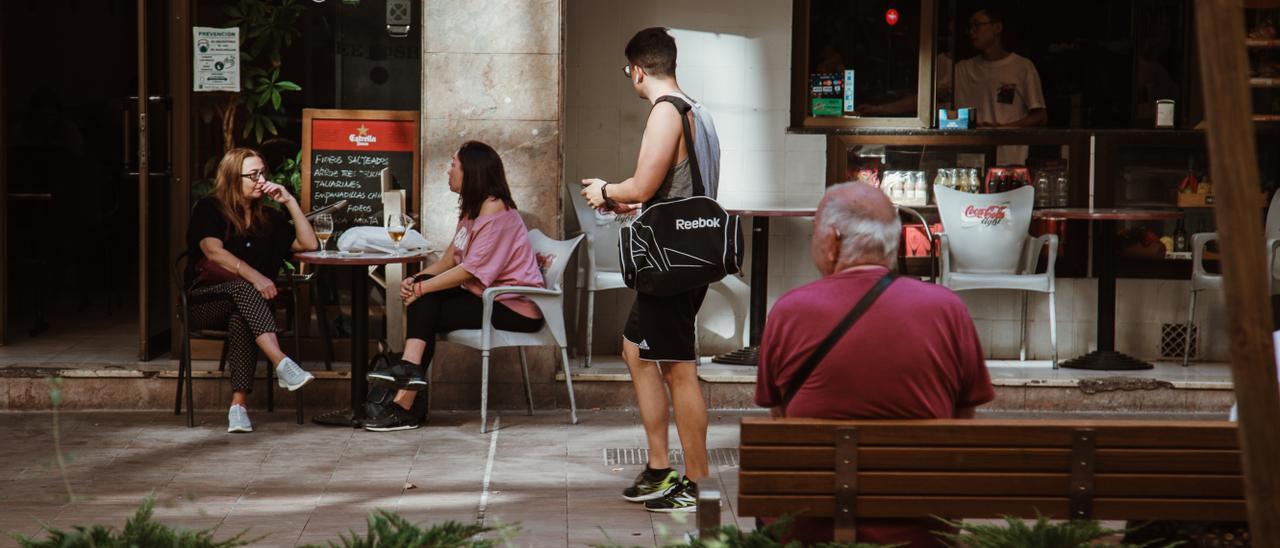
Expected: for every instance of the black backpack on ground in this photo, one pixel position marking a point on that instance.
(680, 244)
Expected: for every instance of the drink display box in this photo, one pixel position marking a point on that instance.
(826, 92)
(955, 118)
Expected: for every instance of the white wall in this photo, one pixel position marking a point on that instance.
(735, 56)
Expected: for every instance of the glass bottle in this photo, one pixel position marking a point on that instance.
(1061, 190)
(1180, 238)
(1042, 190)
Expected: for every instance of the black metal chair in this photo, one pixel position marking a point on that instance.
(184, 357)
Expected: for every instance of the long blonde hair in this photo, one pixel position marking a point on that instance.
(228, 191)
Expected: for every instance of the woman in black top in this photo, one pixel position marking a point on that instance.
(236, 245)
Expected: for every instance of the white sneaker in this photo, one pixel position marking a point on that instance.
(290, 375)
(238, 419)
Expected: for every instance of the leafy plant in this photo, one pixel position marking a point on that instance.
(140, 530)
(1042, 534)
(289, 174)
(267, 27)
(387, 530)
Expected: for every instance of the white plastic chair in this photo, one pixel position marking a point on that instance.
(985, 245)
(549, 300)
(1202, 280)
(602, 270)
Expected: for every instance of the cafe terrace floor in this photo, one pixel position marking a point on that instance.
(307, 484)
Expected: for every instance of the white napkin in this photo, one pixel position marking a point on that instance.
(375, 239)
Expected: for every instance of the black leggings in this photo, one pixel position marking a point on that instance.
(452, 309)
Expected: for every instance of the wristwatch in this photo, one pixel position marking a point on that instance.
(604, 193)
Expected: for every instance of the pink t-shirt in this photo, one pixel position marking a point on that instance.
(495, 249)
(915, 354)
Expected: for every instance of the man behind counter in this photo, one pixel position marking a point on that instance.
(1003, 86)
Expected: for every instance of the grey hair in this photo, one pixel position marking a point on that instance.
(860, 238)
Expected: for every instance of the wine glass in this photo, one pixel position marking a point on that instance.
(323, 225)
(397, 225)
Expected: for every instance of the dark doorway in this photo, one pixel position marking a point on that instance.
(72, 218)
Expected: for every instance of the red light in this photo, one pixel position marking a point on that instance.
(891, 17)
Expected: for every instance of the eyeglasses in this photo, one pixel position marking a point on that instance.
(973, 25)
(255, 175)
(626, 69)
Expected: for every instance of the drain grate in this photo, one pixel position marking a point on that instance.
(1173, 340)
(629, 456)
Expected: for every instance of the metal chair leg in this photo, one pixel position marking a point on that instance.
(1186, 331)
(528, 389)
(1022, 334)
(1053, 326)
(297, 344)
(182, 352)
(591, 315)
(191, 404)
(322, 318)
(271, 380)
(568, 383)
(222, 358)
(484, 391)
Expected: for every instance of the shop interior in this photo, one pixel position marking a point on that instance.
(73, 219)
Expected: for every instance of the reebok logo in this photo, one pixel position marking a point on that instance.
(682, 224)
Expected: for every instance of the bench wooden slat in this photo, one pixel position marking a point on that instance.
(994, 433)
(993, 484)
(992, 507)
(994, 459)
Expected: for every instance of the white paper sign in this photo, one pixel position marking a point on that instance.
(217, 59)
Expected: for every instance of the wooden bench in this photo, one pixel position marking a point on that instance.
(1077, 469)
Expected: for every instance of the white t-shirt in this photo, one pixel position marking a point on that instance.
(1002, 91)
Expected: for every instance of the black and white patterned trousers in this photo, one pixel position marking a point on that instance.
(239, 309)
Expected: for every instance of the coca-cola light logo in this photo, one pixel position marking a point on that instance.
(989, 216)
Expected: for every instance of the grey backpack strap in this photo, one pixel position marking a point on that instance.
(684, 107)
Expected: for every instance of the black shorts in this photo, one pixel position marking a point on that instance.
(665, 328)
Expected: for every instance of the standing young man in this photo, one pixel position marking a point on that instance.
(660, 338)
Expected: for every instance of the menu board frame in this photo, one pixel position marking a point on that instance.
(411, 118)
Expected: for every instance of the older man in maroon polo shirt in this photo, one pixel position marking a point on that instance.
(914, 354)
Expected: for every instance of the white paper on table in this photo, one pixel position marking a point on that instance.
(375, 239)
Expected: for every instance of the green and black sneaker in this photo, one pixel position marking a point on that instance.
(652, 484)
(684, 498)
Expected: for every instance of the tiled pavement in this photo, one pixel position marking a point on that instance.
(304, 484)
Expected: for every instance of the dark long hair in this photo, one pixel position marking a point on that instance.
(483, 177)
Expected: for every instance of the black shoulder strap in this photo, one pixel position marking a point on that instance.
(841, 328)
(684, 107)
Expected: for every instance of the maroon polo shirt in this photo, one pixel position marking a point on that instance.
(915, 354)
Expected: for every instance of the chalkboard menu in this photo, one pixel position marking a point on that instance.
(344, 153)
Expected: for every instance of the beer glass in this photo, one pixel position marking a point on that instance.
(323, 225)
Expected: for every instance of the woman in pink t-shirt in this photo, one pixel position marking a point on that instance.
(490, 248)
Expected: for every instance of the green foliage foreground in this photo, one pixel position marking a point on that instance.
(140, 530)
(388, 530)
(1015, 533)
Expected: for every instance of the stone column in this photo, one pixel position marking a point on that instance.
(493, 71)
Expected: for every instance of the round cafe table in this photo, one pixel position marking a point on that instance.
(1105, 358)
(358, 265)
(759, 277)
